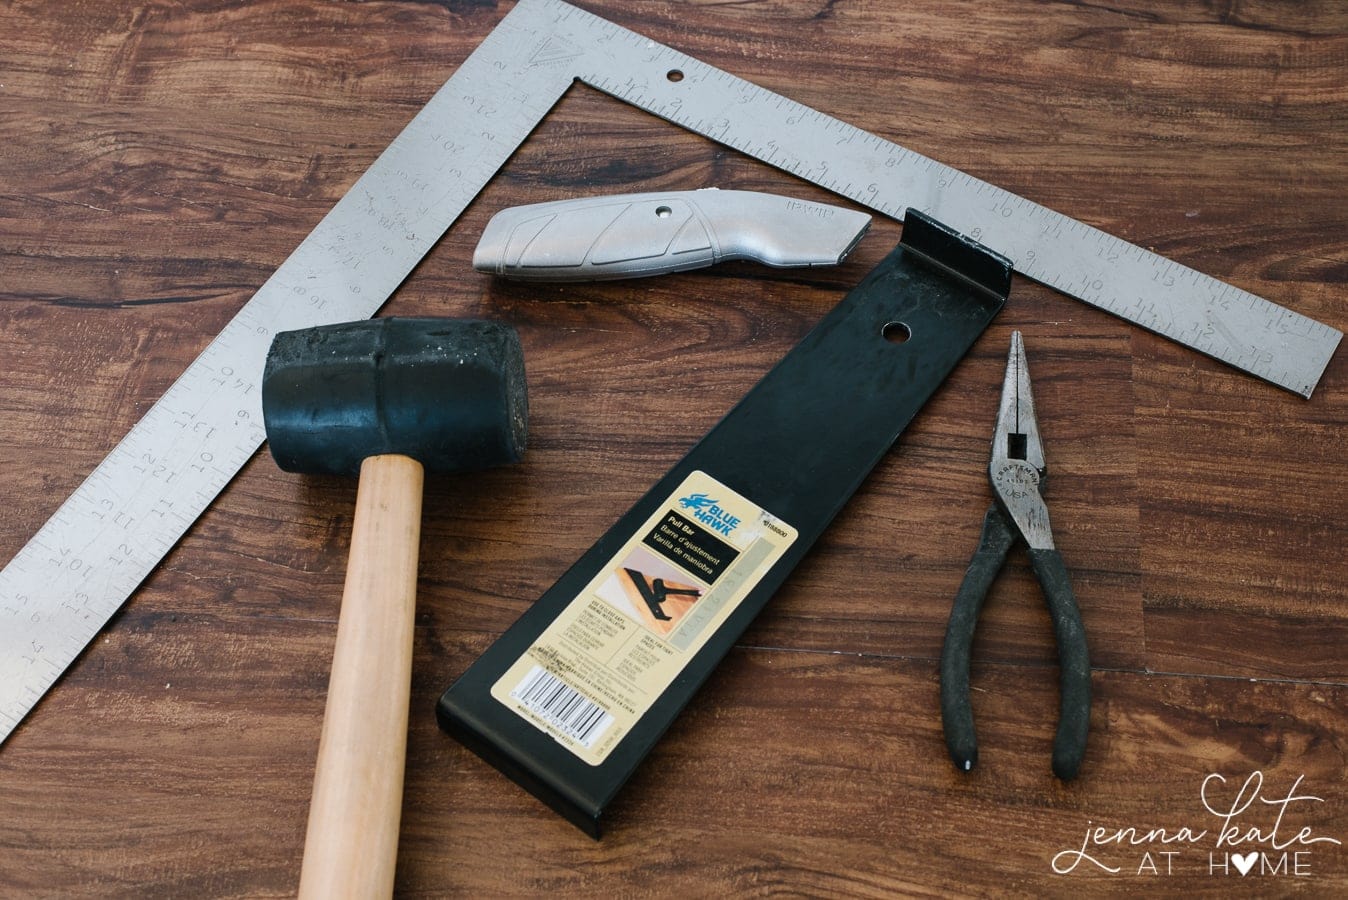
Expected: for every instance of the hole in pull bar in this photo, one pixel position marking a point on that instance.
(896, 332)
(663, 212)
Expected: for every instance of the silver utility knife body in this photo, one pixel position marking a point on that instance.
(634, 235)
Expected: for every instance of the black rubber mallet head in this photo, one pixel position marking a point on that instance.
(388, 399)
(447, 392)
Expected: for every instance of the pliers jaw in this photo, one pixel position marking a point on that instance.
(1016, 468)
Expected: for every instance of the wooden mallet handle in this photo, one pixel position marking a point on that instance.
(351, 846)
(391, 399)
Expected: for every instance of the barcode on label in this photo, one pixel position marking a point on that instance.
(562, 706)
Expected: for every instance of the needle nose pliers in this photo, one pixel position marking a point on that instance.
(1017, 472)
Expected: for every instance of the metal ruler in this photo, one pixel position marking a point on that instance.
(64, 585)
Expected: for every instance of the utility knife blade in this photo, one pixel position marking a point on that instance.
(635, 235)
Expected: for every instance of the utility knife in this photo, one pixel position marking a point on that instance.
(635, 235)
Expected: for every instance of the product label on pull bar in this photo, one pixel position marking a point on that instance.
(601, 664)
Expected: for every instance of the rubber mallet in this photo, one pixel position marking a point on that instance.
(389, 399)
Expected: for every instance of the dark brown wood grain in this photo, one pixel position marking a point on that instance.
(160, 160)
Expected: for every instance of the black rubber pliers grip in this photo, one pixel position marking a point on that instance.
(1069, 745)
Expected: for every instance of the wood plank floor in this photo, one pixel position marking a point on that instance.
(160, 160)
